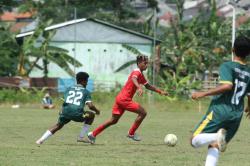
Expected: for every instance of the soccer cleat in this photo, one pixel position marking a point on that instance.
(83, 139)
(134, 137)
(91, 138)
(221, 139)
(38, 142)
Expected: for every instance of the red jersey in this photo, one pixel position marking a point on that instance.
(129, 88)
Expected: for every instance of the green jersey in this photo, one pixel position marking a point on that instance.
(75, 99)
(238, 75)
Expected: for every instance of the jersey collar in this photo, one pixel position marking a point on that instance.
(240, 62)
(137, 69)
(79, 85)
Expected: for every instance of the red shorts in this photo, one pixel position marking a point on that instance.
(121, 105)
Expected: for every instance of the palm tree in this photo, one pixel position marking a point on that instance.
(45, 52)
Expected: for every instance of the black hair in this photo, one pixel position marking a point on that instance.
(141, 58)
(242, 46)
(82, 76)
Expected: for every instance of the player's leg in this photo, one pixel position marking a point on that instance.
(49, 133)
(62, 120)
(212, 155)
(223, 138)
(206, 134)
(141, 114)
(206, 131)
(117, 112)
(113, 120)
(227, 133)
(88, 119)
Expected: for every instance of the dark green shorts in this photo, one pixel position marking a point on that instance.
(217, 119)
(64, 119)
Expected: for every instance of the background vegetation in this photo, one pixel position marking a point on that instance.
(188, 48)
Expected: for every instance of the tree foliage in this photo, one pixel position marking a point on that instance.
(7, 5)
(37, 47)
(62, 10)
(8, 51)
(191, 47)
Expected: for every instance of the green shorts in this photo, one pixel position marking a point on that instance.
(217, 119)
(64, 119)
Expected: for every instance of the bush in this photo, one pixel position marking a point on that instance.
(21, 95)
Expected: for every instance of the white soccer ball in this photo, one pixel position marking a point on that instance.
(170, 139)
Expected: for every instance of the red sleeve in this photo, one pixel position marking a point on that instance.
(140, 77)
(136, 74)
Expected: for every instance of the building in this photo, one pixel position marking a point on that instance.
(98, 46)
(192, 8)
(17, 20)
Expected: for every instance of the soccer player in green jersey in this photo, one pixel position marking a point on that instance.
(223, 117)
(75, 99)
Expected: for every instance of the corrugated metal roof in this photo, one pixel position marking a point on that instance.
(29, 30)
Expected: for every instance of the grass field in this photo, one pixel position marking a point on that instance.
(19, 129)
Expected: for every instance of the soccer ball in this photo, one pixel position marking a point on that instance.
(170, 139)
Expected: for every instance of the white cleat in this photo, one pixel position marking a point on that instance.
(38, 142)
(221, 139)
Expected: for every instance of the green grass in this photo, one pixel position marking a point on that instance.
(19, 129)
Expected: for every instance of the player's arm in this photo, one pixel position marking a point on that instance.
(247, 109)
(153, 88)
(140, 90)
(226, 83)
(215, 91)
(92, 107)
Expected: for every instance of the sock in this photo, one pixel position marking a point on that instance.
(134, 128)
(45, 136)
(204, 139)
(212, 157)
(84, 131)
(98, 130)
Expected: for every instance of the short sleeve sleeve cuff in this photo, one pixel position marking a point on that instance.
(225, 73)
(88, 101)
(225, 82)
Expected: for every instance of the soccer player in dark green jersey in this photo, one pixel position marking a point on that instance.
(75, 99)
(223, 117)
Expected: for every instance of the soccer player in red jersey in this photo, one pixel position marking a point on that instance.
(124, 101)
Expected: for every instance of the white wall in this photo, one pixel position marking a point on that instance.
(98, 63)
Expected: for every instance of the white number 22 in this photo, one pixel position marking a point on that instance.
(74, 97)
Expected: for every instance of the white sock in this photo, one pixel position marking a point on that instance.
(45, 136)
(212, 157)
(84, 131)
(204, 139)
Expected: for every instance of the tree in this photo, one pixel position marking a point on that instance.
(191, 47)
(8, 51)
(44, 51)
(7, 5)
(119, 12)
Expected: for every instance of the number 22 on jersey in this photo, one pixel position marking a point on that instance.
(74, 97)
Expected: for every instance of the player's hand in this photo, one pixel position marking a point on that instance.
(247, 111)
(197, 95)
(163, 93)
(97, 112)
(140, 91)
